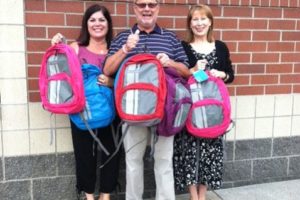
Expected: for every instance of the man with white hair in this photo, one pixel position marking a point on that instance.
(146, 34)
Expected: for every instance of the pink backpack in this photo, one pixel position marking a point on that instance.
(209, 116)
(60, 81)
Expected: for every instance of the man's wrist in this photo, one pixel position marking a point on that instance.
(124, 49)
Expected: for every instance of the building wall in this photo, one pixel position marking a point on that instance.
(264, 41)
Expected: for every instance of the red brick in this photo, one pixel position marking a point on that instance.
(119, 21)
(284, 3)
(290, 57)
(231, 90)
(33, 72)
(274, 3)
(236, 35)
(121, 9)
(33, 84)
(180, 23)
(109, 5)
(184, 2)
(214, 2)
(278, 89)
(44, 19)
(253, 24)
(266, 35)
(228, 23)
(34, 58)
(237, 11)
(291, 36)
(267, 12)
(290, 78)
(240, 57)
(70, 33)
(282, 24)
(181, 34)
(35, 32)
(294, 3)
(265, 3)
(296, 68)
(217, 34)
(255, 2)
(296, 88)
(281, 46)
(35, 5)
(132, 20)
(169, 1)
(252, 46)
(73, 19)
(232, 46)
(245, 3)
(250, 69)
(225, 2)
(166, 22)
(279, 68)
(235, 2)
(265, 57)
(34, 96)
(241, 80)
(64, 6)
(297, 46)
(250, 90)
(291, 13)
(38, 45)
(169, 10)
(264, 79)
(217, 10)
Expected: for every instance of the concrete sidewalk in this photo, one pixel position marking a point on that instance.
(285, 190)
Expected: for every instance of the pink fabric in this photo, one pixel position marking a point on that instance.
(86, 56)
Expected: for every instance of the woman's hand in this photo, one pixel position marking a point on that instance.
(200, 65)
(58, 38)
(105, 80)
(218, 74)
(163, 59)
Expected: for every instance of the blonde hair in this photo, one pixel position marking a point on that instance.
(208, 13)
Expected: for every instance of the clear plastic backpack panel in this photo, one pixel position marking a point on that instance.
(181, 92)
(181, 115)
(210, 90)
(59, 92)
(141, 73)
(58, 64)
(139, 102)
(208, 116)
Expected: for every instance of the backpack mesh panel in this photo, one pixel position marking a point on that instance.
(57, 64)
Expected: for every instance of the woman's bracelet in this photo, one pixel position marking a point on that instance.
(124, 49)
(226, 77)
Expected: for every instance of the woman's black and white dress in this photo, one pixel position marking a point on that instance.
(199, 160)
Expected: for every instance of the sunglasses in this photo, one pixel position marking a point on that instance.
(143, 5)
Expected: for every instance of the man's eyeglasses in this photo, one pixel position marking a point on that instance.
(143, 5)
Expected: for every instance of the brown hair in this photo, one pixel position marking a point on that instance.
(207, 12)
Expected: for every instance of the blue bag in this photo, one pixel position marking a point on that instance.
(99, 110)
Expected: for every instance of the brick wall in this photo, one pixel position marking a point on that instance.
(263, 36)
